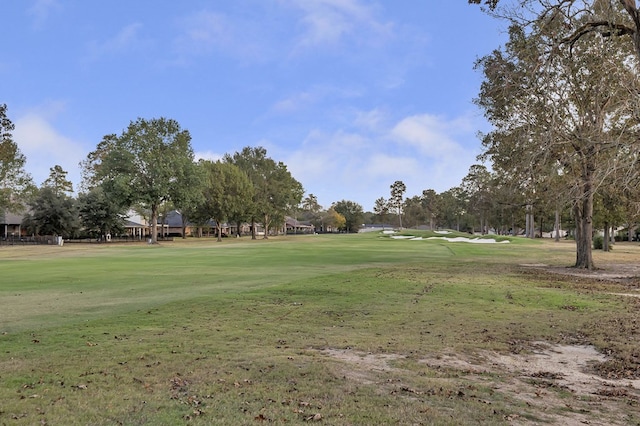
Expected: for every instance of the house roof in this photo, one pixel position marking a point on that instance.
(132, 224)
(295, 222)
(8, 218)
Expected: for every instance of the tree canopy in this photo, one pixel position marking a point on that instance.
(276, 191)
(565, 114)
(14, 180)
(226, 192)
(143, 165)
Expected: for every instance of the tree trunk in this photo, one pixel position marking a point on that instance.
(154, 224)
(605, 239)
(557, 225)
(253, 228)
(185, 219)
(266, 227)
(583, 211)
(219, 230)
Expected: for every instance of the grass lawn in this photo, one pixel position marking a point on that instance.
(330, 329)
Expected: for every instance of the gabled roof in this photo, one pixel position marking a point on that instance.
(8, 218)
(132, 224)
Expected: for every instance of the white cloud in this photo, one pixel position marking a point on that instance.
(128, 39)
(205, 32)
(305, 99)
(424, 151)
(373, 120)
(294, 103)
(45, 147)
(41, 10)
(327, 22)
(207, 155)
(433, 136)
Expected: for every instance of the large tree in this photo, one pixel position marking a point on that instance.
(276, 191)
(477, 185)
(570, 111)
(381, 209)
(14, 180)
(352, 213)
(398, 188)
(187, 191)
(52, 214)
(58, 181)
(574, 19)
(226, 191)
(143, 165)
(100, 214)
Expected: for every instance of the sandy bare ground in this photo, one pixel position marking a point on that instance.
(554, 384)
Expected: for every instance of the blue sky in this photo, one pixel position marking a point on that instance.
(351, 95)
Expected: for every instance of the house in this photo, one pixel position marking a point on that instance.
(11, 225)
(294, 226)
(173, 226)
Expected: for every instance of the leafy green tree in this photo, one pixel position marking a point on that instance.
(58, 181)
(572, 109)
(430, 203)
(381, 209)
(310, 204)
(398, 188)
(52, 214)
(188, 191)
(414, 213)
(226, 191)
(15, 182)
(352, 213)
(453, 205)
(99, 214)
(332, 219)
(143, 165)
(276, 192)
(477, 184)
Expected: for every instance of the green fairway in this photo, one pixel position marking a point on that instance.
(339, 329)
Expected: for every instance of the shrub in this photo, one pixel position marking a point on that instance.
(598, 242)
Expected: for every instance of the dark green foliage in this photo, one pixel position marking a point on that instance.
(145, 165)
(58, 181)
(227, 191)
(276, 192)
(52, 214)
(15, 182)
(99, 214)
(352, 213)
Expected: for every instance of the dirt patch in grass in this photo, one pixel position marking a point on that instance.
(615, 272)
(556, 384)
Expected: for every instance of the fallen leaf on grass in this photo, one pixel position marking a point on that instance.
(315, 418)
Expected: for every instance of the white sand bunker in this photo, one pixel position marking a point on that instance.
(469, 240)
(452, 239)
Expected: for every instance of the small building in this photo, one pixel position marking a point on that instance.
(11, 225)
(294, 226)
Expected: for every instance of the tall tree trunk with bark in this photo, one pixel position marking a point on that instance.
(154, 224)
(606, 238)
(583, 210)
